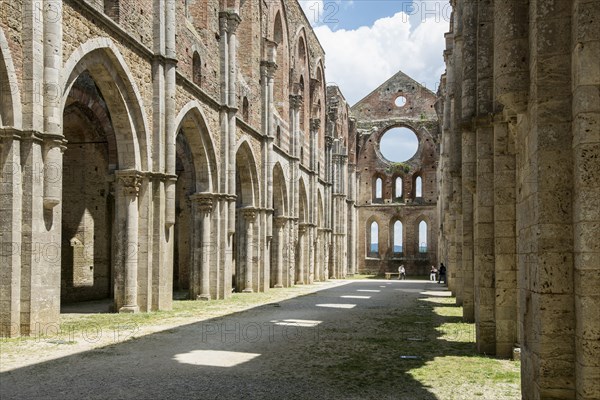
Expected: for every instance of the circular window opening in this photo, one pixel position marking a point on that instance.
(399, 144)
(400, 101)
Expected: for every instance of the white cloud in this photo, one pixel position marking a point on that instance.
(360, 60)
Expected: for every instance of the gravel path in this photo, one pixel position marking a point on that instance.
(286, 350)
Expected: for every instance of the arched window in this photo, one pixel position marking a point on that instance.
(398, 188)
(197, 69)
(418, 187)
(423, 237)
(398, 248)
(373, 250)
(301, 51)
(245, 109)
(378, 195)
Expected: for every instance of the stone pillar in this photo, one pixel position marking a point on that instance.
(249, 217)
(233, 21)
(279, 224)
(200, 282)
(129, 183)
(585, 43)
(301, 258)
(10, 235)
(504, 238)
(483, 235)
(545, 209)
(467, 112)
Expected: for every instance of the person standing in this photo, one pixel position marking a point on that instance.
(442, 273)
(433, 274)
(401, 273)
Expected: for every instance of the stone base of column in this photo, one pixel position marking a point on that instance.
(249, 290)
(300, 283)
(204, 297)
(129, 309)
(278, 286)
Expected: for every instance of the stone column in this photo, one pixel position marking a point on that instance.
(586, 194)
(301, 258)
(545, 208)
(279, 225)
(504, 237)
(200, 285)
(129, 183)
(485, 292)
(233, 21)
(249, 217)
(10, 234)
(467, 112)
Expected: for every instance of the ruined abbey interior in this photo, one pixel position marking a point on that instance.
(153, 147)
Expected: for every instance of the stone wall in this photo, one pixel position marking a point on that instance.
(520, 107)
(120, 154)
(376, 114)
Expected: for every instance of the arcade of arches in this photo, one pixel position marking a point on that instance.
(195, 147)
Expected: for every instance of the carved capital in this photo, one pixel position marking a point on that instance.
(203, 201)
(303, 227)
(269, 68)
(329, 141)
(280, 222)
(129, 181)
(295, 101)
(315, 124)
(233, 20)
(249, 214)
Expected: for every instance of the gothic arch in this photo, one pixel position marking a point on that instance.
(303, 202)
(10, 95)
(280, 36)
(107, 67)
(280, 197)
(191, 123)
(320, 210)
(247, 184)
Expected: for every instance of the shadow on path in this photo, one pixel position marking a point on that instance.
(355, 341)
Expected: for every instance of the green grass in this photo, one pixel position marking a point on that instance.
(447, 366)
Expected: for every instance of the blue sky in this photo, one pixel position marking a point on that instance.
(368, 41)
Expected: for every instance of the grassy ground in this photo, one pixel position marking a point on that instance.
(423, 350)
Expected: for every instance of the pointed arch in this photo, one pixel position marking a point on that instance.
(397, 235)
(10, 95)
(423, 228)
(320, 210)
(372, 237)
(303, 202)
(281, 37)
(246, 176)
(191, 123)
(280, 197)
(107, 67)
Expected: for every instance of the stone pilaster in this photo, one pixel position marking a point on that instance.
(505, 237)
(203, 247)
(585, 45)
(129, 183)
(544, 209)
(279, 225)
(249, 218)
(300, 273)
(10, 234)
